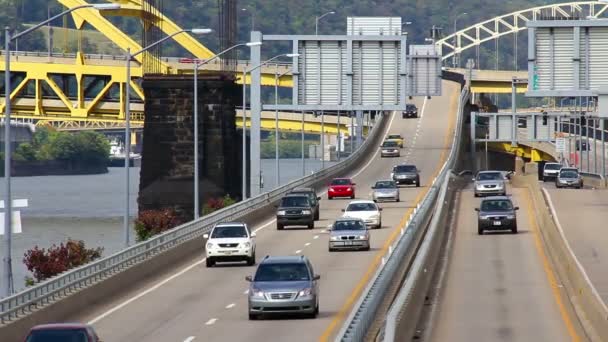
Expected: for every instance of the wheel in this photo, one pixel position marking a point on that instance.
(352, 196)
(317, 215)
(514, 229)
(375, 201)
(253, 317)
(330, 249)
(476, 195)
(329, 198)
(479, 230)
(417, 184)
(280, 226)
(367, 248)
(544, 179)
(311, 226)
(251, 260)
(379, 225)
(209, 262)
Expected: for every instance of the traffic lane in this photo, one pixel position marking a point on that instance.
(342, 272)
(582, 215)
(203, 293)
(497, 287)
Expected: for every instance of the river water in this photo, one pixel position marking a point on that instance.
(90, 208)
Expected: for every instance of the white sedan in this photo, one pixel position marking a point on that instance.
(368, 211)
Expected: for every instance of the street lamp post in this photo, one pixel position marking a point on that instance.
(277, 76)
(197, 64)
(245, 71)
(252, 17)
(403, 25)
(127, 151)
(8, 267)
(454, 43)
(319, 18)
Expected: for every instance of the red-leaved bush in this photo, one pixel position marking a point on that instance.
(214, 204)
(152, 222)
(46, 263)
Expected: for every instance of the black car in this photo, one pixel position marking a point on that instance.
(411, 111)
(496, 213)
(312, 194)
(295, 210)
(406, 174)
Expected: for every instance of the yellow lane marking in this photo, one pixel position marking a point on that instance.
(346, 307)
(547, 267)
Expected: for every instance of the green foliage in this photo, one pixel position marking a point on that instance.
(214, 204)
(25, 152)
(287, 148)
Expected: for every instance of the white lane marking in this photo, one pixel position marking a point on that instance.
(190, 339)
(188, 268)
(422, 110)
(211, 321)
(315, 237)
(307, 244)
(298, 251)
(246, 291)
(145, 292)
(230, 306)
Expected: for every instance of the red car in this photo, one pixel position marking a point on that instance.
(341, 187)
(62, 332)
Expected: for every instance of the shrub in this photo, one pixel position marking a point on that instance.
(214, 204)
(25, 152)
(152, 222)
(46, 263)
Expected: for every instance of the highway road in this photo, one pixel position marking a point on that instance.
(210, 304)
(499, 286)
(583, 215)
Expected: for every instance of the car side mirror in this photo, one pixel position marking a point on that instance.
(316, 277)
(354, 184)
(379, 209)
(373, 187)
(205, 236)
(516, 208)
(253, 234)
(276, 205)
(318, 198)
(248, 278)
(476, 209)
(343, 210)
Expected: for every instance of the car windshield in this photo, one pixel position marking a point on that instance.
(489, 176)
(58, 335)
(405, 168)
(340, 182)
(553, 166)
(311, 196)
(229, 232)
(389, 144)
(496, 205)
(385, 185)
(361, 207)
(349, 225)
(569, 174)
(282, 272)
(410, 107)
(295, 201)
(394, 136)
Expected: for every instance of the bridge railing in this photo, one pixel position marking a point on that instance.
(403, 251)
(40, 295)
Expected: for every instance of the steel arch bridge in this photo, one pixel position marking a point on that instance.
(492, 29)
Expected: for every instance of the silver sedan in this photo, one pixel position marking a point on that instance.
(385, 190)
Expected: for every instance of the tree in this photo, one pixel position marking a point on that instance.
(25, 152)
(153, 222)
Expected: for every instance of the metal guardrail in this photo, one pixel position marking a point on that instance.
(365, 310)
(33, 298)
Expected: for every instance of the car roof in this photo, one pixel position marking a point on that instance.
(385, 180)
(302, 190)
(61, 326)
(295, 195)
(231, 224)
(494, 198)
(349, 218)
(360, 201)
(570, 168)
(341, 178)
(398, 134)
(490, 171)
(553, 163)
(404, 165)
(284, 259)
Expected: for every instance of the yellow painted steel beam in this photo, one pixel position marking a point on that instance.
(496, 87)
(296, 126)
(521, 151)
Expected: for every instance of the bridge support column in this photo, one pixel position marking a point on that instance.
(359, 132)
(167, 167)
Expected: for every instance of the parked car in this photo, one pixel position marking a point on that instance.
(349, 233)
(396, 137)
(295, 210)
(411, 111)
(385, 190)
(490, 183)
(406, 174)
(341, 187)
(231, 241)
(368, 211)
(62, 332)
(283, 285)
(312, 194)
(550, 171)
(569, 177)
(389, 148)
(496, 213)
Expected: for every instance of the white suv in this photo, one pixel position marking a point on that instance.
(230, 241)
(550, 171)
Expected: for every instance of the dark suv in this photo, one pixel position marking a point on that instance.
(406, 174)
(496, 213)
(312, 194)
(295, 210)
(284, 285)
(411, 111)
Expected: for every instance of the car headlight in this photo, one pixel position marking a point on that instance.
(500, 185)
(334, 238)
(209, 245)
(483, 217)
(362, 237)
(281, 212)
(306, 212)
(305, 292)
(349, 189)
(331, 189)
(256, 293)
(246, 244)
(510, 217)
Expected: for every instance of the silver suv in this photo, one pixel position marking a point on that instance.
(284, 285)
(490, 183)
